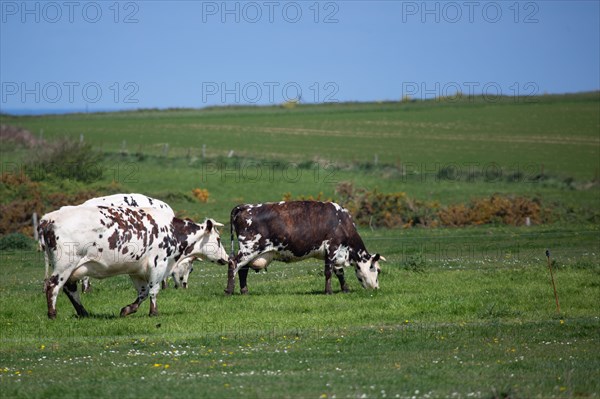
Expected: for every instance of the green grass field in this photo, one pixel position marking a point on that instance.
(462, 312)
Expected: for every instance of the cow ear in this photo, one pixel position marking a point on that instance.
(378, 257)
(216, 224)
(209, 225)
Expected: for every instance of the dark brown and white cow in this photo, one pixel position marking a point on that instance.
(296, 230)
(100, 242)
(181, 271)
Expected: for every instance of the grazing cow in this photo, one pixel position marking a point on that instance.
(296, 230)
(181, 271)
(101, 242)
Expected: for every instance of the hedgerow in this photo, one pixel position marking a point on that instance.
(376, 209)
(23, 197)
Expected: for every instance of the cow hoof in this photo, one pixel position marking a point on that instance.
(153, 314)
(328, 292)
(345, 290)
(83, 314)
(244, 291)
(52, 315)
(228, 293)
(125, 311)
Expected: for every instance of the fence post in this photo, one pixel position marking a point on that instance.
(34, 219)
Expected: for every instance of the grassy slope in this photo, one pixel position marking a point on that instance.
(560, 132)
(479, 322)
(478, 318)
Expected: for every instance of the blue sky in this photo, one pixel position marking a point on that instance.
(117, 55)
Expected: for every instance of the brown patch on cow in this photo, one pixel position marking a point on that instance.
(129, 223)
(181, 230)
(113, 239)
(46, 230)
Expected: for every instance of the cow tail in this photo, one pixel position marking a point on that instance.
(44, 229)
(45, 235)
(231, 232)
(234, 213)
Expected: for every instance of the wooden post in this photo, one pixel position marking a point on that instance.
(166, 150)
(203, 151)
(553, 285)
(34, 219)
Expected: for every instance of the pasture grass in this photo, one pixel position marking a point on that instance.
(477, 319)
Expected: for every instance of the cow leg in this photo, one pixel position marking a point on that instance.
(243, 275)
(70, 289)
(231, 269)
(52, 287)
(153, 293)
(85, 285)
(237, 265)
(328, 272)
(142, 289)
(339, 272)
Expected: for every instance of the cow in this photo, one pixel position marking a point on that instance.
(297, 230)
(181, 271)
(101, 241)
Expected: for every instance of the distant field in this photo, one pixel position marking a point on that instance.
(462, 312)
(559, 132)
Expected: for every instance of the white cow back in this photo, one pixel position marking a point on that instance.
(133, 200)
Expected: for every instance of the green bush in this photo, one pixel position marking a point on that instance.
(16, 241)
(66, 159)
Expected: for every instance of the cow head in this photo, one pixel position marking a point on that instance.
(367, 270)
(181, 272)
(208, 246)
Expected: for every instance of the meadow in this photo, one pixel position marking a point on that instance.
(461, 312)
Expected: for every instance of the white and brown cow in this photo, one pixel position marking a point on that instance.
(100, 242)
(181, 271)
(296, 230)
